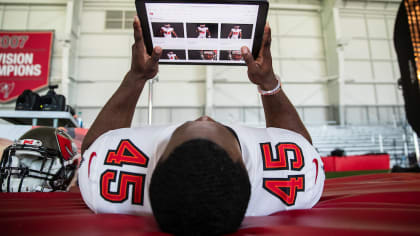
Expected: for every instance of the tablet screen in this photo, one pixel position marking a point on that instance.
(202, 33)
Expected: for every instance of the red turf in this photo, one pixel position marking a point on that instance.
(380, 204)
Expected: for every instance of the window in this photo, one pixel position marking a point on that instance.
(119, 19)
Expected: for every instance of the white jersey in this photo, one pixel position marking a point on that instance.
(285, 171)
(202, 32)
(171, 56)
(167, 31)
(235, 33)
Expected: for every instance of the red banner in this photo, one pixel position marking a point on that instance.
(25, 59)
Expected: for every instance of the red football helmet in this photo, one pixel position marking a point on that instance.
(42, 160)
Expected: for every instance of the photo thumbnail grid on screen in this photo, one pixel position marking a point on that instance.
(196, 31)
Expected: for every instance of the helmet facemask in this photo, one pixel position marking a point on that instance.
(34, 168)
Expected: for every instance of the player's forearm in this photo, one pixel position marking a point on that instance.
(280, 113)
(118, 111)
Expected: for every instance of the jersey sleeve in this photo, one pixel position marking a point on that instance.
(85, 178)
(311, 170)
(116, 169)
(285, 170)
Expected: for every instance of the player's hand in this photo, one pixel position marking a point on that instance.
(260, 71)
(143, 66)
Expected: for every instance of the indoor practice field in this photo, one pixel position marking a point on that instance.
(209, 117)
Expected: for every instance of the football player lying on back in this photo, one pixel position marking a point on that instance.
(199, 177)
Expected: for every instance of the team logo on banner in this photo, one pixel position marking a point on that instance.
(25, 59)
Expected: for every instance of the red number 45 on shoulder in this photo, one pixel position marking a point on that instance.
(126, 154)
(285, 189)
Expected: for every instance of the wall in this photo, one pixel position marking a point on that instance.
(42, 15)
(370, 66)
(335, 59)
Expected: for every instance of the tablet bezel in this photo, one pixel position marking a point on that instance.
(259, 26)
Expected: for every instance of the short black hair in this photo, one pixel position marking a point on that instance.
(199, 190)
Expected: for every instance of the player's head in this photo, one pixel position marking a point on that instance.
(200, 185)
(202, 25)
(167, 25)
(236, 26)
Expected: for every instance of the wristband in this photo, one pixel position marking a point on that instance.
(273, 91)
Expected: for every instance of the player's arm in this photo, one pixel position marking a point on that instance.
(173, 32)
(119, 110)
(279, 111)
(240, 34)
(230, 35)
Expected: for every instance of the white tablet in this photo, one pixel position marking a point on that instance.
(202, 32)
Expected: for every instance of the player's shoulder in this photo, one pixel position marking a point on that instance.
(135, 130)
(268, 132)
(254, 139)
(289, 138)
(131, 152)
(281, 169)
(137, 134)
(285, 133)
(112, 135)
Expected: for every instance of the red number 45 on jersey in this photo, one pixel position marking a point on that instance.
(125, 154)
(285, 189)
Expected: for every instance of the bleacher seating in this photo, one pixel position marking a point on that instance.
(398, 142)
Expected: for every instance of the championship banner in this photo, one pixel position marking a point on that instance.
(25, 59)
